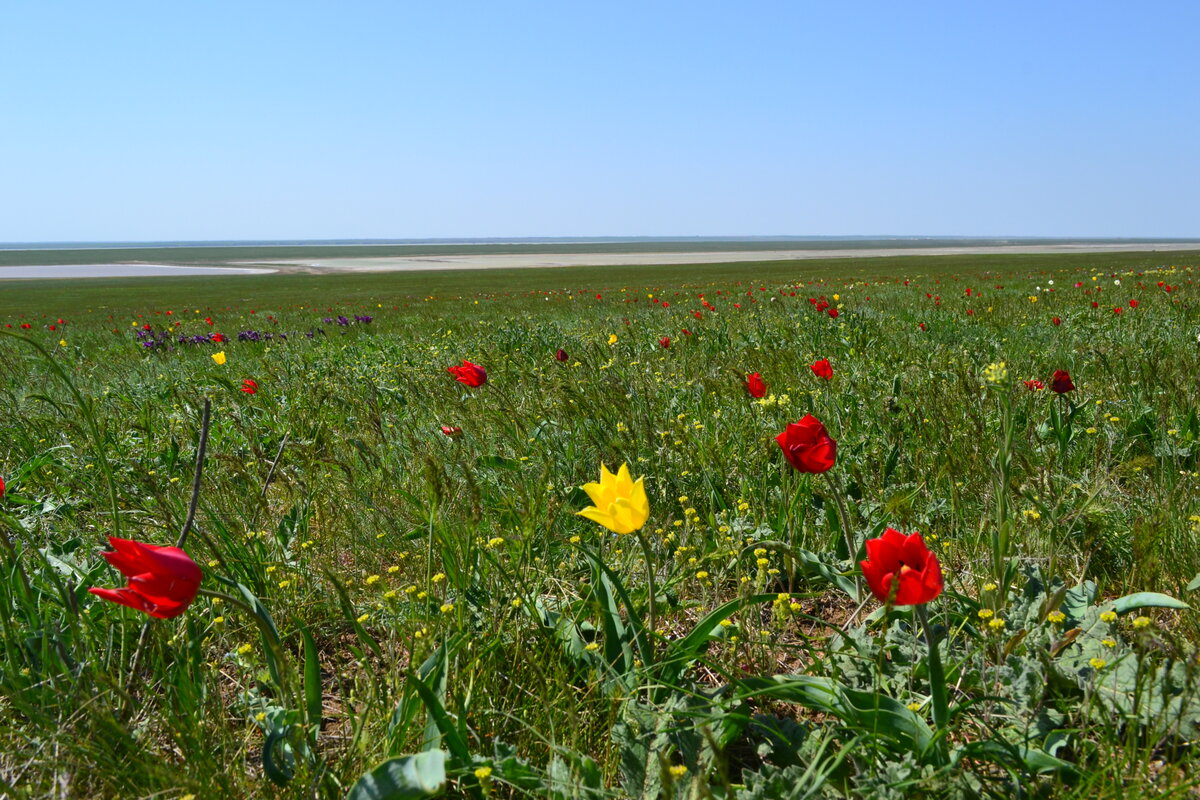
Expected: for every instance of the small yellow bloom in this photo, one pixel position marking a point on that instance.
(989, 587)
(620, 502)
(219, 357)
(1098, 663)
(483, 773)
(1141, 622)
(1056, 617)
(702, 574)
(62, 342)
(1109, 642)
(1108, 616)
(363, 618)
(592, 647)
(679, 770)
(244, 649)
(985, 613)
(612, 338)
(914, 706)
(996, 624)
(995, 373)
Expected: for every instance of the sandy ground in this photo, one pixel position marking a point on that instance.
(516, 261)
(120, 271)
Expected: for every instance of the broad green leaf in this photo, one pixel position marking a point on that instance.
(1147, 600)
(403, 778)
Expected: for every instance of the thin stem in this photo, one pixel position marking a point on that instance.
(843, 515)
(201, 449)
(267, 634)
(650, 615)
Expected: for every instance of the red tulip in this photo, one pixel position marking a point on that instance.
(1061, 382)
(665, 342)
(833, 312)
(1057, 320)
(163, 581)
(249, 386)
(561, 355)
(451, 430)
(901, 570)
(1034, 385)
(1133, 304)
(755, 385)
(822, 369)
(807, 446)
(470, 374)
(1, 488)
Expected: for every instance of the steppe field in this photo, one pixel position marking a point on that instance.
(384, 587)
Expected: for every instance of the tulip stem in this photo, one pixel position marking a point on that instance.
(937, 686)
(650, 615)
(844, 516)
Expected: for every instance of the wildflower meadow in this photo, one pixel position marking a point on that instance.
(905, 527)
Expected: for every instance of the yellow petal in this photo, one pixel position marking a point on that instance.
(624, 483)
(596, 515)
(596, 492)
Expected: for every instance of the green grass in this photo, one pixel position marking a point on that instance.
(451, 591)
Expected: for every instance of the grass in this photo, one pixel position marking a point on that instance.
(436, 601)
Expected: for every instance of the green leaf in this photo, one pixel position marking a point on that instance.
(1147, 600)
(402, 778)
(441, 720)
(312, 681)
(1194, 584)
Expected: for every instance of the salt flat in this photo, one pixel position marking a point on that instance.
(534, 260)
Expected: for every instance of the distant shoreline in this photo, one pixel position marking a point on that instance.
(331, 259)
(550, 260)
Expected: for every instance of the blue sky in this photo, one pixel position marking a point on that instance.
(249, 120)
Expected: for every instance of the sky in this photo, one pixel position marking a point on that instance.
(160, 120)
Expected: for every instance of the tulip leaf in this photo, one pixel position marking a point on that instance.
(1194, 584)
(403, 778)
(312, 682)
(1147, 600)
(280, 772)
(440, 720)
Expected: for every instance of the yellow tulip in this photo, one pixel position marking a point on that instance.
(620, 502)
(219, 357)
